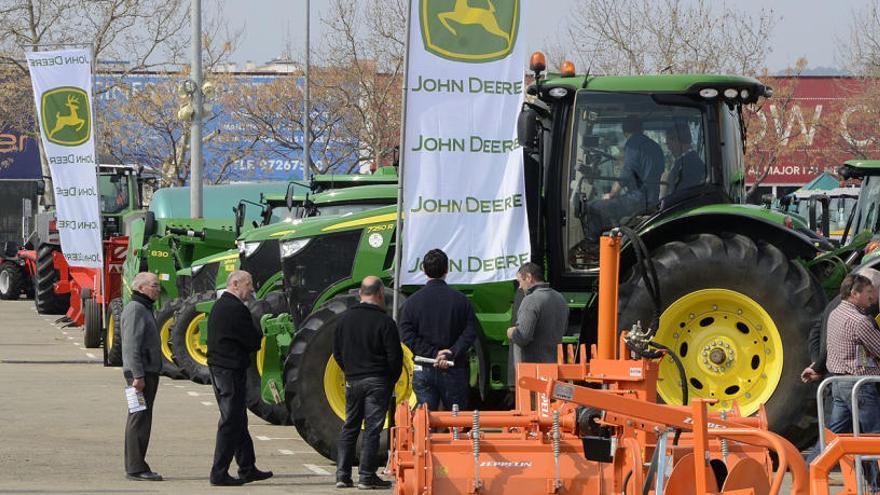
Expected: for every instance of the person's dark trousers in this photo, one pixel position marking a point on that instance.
(233, 439)
(138, 427)
(367, 402)
(434, 386)
(869, 418)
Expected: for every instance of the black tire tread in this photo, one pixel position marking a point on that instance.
(169, 367)
(17, 280)
(184, 315)
(113, 355)
(45, 298)
(93, 326)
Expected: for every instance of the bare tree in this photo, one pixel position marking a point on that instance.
(367, 44)
(651, 36)
(859, 52)
(776, 128)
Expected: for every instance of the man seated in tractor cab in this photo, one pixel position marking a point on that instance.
(606, 189)
(688, 169)
(636, 190)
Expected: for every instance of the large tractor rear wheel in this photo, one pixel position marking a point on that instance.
(737, 312)
(165, 321)
(93, 325)
(45, 298)
(112, 340)
(314, 385)
(12, 280)
(273, 304)
(190, 354)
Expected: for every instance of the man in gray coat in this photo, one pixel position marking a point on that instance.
(141, 363)
(541, 319)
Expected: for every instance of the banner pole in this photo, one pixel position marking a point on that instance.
(400, 167)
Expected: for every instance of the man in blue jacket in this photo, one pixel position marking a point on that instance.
(367, 348)
(438, 322)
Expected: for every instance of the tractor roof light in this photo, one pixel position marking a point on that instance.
(567, 69)
(744, 94)
(709, 93)
(731, 93)
(538, 63)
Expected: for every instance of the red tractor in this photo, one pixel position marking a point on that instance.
(82, 294)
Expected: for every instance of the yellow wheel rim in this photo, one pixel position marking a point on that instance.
(165, 338)
(261, 356)
(194, 347)
(108, 339)
(730, 347)
(334, 384)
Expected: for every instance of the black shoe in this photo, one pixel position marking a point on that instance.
(144, 476)
(255, 475)
(376, 483)
(228, 481)
(344, 484)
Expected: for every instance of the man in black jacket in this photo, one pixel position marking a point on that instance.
(367, 348)
(232, 337)
(438, 322)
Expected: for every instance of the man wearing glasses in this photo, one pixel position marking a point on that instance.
(141, 363)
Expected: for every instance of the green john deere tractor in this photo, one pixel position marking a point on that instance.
(258, 254)
(164, 240)
(739, 285)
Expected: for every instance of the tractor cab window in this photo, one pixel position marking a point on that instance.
(630, 156)
(114, 192)
(869, 201)
(282, 214)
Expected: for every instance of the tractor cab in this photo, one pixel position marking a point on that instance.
(624, 150)
(120, 190)
(864, 220)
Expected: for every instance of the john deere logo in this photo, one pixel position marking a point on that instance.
(66, 116)
(473, 31)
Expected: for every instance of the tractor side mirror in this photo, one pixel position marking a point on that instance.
(239, 212)
(527, 127)
(41, 187)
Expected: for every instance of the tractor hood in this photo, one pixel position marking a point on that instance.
(316, 226)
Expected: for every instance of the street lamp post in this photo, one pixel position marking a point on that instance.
(307, 154)
(195, 167)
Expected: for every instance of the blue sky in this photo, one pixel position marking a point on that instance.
(808, 28)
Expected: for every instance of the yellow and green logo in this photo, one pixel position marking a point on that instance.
(66, 116)
(474, 31)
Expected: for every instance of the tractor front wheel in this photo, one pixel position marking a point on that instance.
(165, 320)
(45, 298)
(12, 280)
(112, 340)
(314, 385)
(94, 323)
(275, 413)
(190, 354)
(738, 313)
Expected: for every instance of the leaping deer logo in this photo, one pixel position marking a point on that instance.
(464, 14)
(72, 119)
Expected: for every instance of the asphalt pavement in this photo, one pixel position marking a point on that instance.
(62, 418)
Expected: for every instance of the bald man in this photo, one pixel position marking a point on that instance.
(367, 348)
(232, 338)
(141, 364)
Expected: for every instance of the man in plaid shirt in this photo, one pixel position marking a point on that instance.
(853, 350)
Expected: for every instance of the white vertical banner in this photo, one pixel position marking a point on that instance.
(463, 178)
(62, 82)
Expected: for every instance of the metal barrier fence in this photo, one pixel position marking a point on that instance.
(820, 403)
